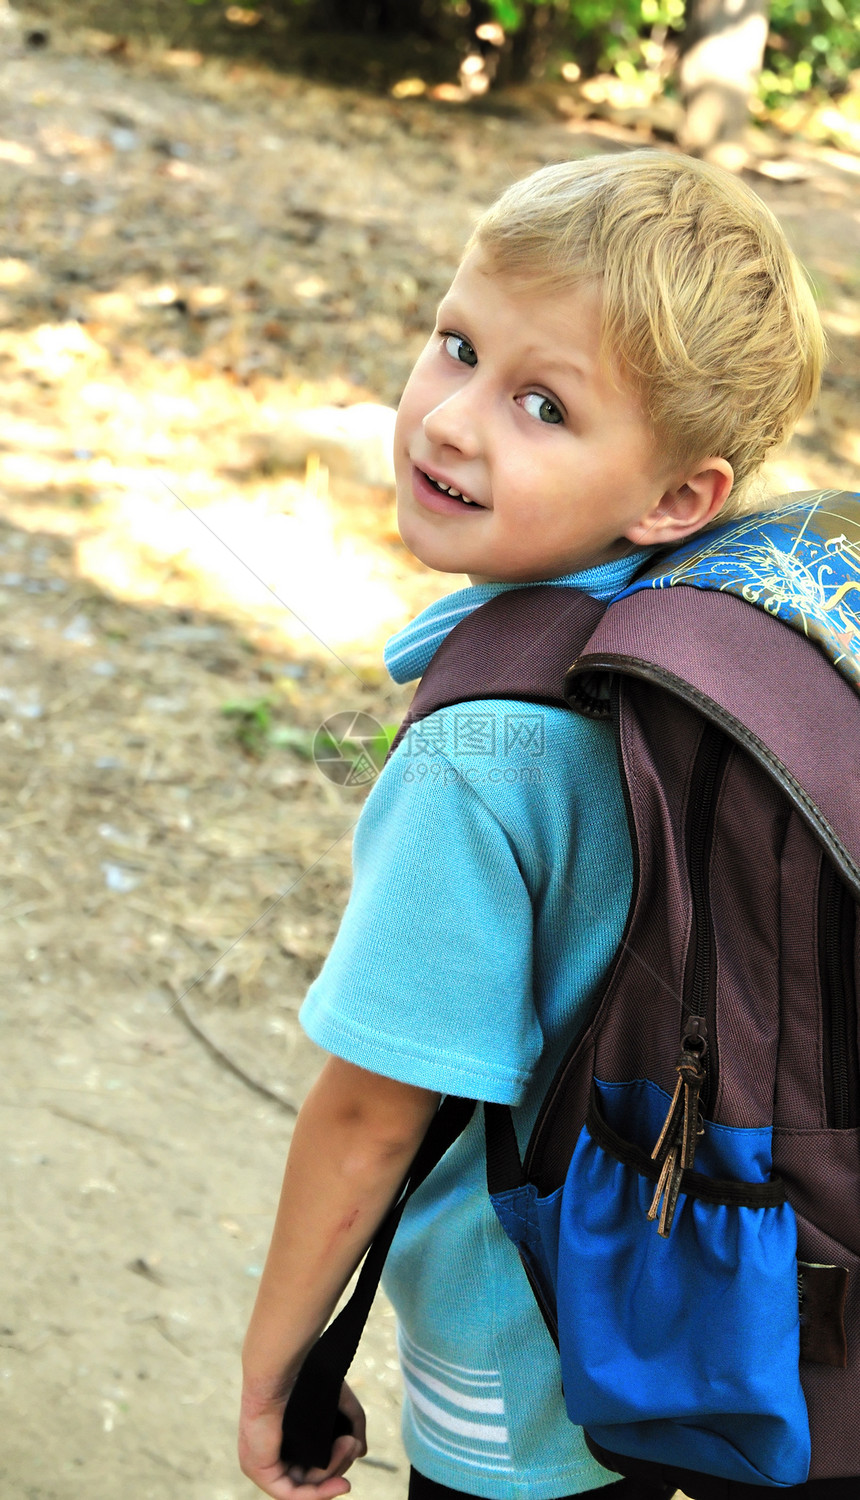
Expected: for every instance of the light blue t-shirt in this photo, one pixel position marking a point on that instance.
(492, 876)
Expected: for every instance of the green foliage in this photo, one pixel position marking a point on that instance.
(811, 45)
(626, 33)
(508, 14)
(600, 35)
(290, 737)
(256, 730)
(595, 17)
(253, 723)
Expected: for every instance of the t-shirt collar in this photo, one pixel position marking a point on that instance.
(409, 653)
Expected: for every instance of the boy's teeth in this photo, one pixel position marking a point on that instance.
(448, 489)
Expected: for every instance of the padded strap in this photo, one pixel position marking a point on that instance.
(312, 1420)
(770, 689)
(519, 645)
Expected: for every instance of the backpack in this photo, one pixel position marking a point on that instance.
(687, 1210)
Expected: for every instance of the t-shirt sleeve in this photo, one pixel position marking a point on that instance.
(429, 979)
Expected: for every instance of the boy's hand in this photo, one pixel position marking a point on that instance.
(260, 1451)
(353, 1141)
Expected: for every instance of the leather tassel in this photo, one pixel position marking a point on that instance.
(670, 1197)
(670, 1124)
(676, 1143)
(662, 1184)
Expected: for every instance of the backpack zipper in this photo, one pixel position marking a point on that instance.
(696, 1066)
(837, 919)
(701, 969)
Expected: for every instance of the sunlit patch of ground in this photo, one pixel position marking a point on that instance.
(152, 482)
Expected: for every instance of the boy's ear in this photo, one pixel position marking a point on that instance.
(685, 507)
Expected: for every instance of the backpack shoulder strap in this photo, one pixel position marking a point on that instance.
(519, 644)
(699, 627)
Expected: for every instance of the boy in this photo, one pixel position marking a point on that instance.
(624, 341)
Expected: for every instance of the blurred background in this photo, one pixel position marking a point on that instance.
(225, 230)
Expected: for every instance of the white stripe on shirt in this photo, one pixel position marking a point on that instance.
(483, 1431)
(491, 1407)
(490, 1379)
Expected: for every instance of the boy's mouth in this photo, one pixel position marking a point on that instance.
(447, 489)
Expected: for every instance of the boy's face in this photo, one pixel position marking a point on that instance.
(509, 405)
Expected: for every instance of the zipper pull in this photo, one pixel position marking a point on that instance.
(676, 1143)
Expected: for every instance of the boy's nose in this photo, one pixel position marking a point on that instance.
(454, 424)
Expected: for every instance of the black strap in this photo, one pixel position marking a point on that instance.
(312, 1420)
(504, 1168)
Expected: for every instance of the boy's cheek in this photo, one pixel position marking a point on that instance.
(402, 467)
(404, 424)
(421, 392)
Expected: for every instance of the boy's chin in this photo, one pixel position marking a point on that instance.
(437, 559)
(435, 564)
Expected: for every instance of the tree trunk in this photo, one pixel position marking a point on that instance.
(373, 16)
(721, 60)
(527, 48)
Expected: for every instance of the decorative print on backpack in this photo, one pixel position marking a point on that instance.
(800, 563)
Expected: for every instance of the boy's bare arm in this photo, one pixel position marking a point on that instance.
(354, 1139)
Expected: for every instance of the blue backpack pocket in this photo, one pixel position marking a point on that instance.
(683, 1351)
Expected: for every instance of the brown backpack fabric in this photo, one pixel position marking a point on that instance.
(740, 750)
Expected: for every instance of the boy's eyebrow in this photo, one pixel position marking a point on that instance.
(554, 366)
(552, 362)
(444, 306)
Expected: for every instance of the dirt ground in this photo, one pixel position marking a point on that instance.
(191, 251)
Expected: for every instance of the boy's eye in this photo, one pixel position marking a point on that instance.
(460, 348)
(541, 407)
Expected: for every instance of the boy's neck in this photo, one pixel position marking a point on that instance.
(587, 566)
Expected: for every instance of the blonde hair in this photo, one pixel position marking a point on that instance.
(706, 312)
